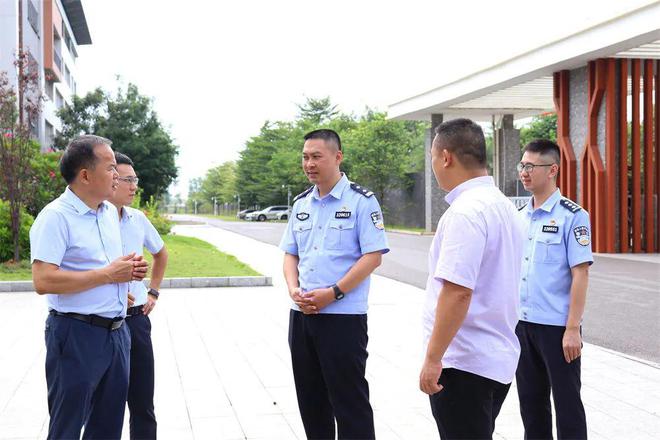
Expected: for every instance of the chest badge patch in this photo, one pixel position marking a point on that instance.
(550, 228)
(302, 216)
(343, 214)
(582, 235)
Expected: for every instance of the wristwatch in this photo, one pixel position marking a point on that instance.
(338, 293)
(154, 293)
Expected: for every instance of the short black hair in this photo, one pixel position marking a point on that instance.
(122, 159)
(326, 134)
(545, 147)
(80, 154)
(464, 138)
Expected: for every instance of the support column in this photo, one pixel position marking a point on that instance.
(434, 201)
(507, 155)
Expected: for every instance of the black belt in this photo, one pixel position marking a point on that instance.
(95, 320)
(135, 310)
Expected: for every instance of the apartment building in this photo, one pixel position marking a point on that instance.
(52, 31)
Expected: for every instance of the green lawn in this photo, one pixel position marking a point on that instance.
(189, 257)
(16, 272)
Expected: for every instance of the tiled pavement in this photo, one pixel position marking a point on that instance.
(223, 368)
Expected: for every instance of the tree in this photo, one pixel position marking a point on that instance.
(317, 111)
(541, 127)
(17, 148)
(220, 182)
(128, 119)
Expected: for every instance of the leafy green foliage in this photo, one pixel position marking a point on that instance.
(49, 184)
(6, 238)
(162, 224)
(126, 118)
(541, 127)
(378, 152)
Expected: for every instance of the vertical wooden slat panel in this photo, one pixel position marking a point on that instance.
(636, 161)
(648, 157)
(657, 155)
(624, 228)
(610, 154)
(568, 167)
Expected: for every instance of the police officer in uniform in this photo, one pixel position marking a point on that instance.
(553, 288)
(334, 239)
(77, 262)
(138, 233)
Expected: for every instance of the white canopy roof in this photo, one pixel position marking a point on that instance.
(522, 85)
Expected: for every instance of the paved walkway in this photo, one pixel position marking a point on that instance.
(223, 368)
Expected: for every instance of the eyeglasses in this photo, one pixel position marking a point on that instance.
(130, 180)
(529, 167)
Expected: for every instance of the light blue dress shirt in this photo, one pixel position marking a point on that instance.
(137, 232)
(558, 238)
(329, 235)
(75, 237)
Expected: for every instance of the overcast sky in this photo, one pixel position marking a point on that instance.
(218, 69)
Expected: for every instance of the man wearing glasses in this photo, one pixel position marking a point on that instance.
(553, 288)
(137, 232)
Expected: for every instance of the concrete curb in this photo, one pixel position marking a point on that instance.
(168, 283)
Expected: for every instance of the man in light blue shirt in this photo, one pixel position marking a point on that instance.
(77, 262)
(553, 287)
(334, 239)
(137, 232)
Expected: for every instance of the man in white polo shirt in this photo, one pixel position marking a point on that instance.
(471, 310)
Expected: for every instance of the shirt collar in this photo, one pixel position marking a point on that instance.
(337, 190)
(548, 205)
(72, 199)
(126, 213)
(469, 184)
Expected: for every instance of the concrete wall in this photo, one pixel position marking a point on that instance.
(405, 206)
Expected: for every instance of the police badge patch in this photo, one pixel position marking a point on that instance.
(377, 219)
(302, 216)
(582, 235)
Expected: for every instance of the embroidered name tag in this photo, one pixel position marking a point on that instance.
(302, 216)
(550, 228)
(342, 214)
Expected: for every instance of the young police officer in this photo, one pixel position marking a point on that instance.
(137, 232)
(334, 240)
(77, 261)
(472, 290)
(553, 288)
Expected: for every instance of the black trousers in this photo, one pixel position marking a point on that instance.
(467, 406)
(141, 385)
(87, 377)
(329, 357)
(542, 368)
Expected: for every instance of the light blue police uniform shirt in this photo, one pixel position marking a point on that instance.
(75, 237)
(137, 232)
(329, 235)
(558, 238)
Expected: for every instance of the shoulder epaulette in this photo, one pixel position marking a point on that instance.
(570, 205)
(303, 194)
(522, 207)
(364, 191)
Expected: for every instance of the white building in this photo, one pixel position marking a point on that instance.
(52, 31)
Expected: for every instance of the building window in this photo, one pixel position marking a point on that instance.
(50, 136)
(67, 76)
(49, 87)
(59, 100)
(33, 17)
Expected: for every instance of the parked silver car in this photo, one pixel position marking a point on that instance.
(277, 212)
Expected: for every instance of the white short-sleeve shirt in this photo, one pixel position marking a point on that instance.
(137, 233)
(478, 245)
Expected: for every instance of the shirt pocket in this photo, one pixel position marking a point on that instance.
(549, 248)
(301, 233)
(339, 235)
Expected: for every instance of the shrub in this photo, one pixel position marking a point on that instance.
(6, 242)
(162, 224)
(49, 184)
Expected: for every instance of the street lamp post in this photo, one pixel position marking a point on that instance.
(288, 194)
(238, 196)
(215, 205)
(195, 203)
